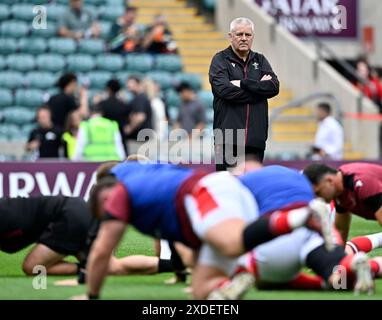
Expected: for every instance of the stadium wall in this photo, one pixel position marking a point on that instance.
(301, 71)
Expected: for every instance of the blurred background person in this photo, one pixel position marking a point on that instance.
(78, 22)
(191, 113)
(99, 139)
(124, 36)
(69, 136)
(140, 116)
(45, 140)
(372, 86)
(158, 37)
(329, 139)
(65, 101)
(158, 107)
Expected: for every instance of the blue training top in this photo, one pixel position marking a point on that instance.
(277, 187)
(152, 190)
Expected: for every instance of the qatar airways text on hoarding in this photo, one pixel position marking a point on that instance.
(323, 18)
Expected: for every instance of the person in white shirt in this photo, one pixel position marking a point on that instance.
(329, 139)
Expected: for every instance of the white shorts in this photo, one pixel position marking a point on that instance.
(281, 259)
(219, 197)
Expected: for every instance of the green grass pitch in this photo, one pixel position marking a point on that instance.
(14, 285)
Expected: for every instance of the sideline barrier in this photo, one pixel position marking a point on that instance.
(74, 179)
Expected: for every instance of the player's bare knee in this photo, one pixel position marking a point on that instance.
(28, 268)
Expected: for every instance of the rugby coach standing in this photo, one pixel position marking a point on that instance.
(242, 81)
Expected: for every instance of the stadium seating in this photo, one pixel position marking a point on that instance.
(8, 45)
(6, 98)
(168, 62)
(49, 32)
(192, 78)
(91, 46)
(18, 115)
(14, 29)
(163, 78)
(21, 62)
(11, 79)
(32, 46)
(50, 62)
(4, 12)
(139, 62)
(172, 98)
(40, 80)
(23, 11)
(31, 98)
(98, 79)
(110, 62)
(62, 46)
(80, 63)
(55, 11)
(110, 13)
(207, 98)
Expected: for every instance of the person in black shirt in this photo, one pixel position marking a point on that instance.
(64, 102)
(140, 109)
(46, 138)
(114, 108)
(57, 225)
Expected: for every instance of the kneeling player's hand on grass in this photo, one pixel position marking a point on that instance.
(66, 283)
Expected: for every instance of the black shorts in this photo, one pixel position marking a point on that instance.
(67, 235)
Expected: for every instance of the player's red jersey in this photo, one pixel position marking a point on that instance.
(362, 190)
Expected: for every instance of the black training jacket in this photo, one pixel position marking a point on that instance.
(245, 107)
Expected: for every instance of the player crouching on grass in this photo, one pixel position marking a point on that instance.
(356, 188)
(58, 225)
(214, 214)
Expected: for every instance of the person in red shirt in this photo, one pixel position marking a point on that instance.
(356, 189)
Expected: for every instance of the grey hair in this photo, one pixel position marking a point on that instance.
(239, 21)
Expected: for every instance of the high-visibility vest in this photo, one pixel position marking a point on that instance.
(100, 139)
(70, 144)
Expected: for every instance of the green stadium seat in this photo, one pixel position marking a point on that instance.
(35, 2)
(110, 62)
(23, 11)
(9, 130)
(173, 112)
(8, 45)
(18, 115)
(31, 98)
(14, 29)
(49, 32)
(32, 45)
(21, 62)
(55, 11)
(139, 62)
(6, 98)
(7, 157)
(209, 5)
(94, 2)
(122, 76)
(105, 29)
(11, 79)
(50, 62)
(115, 3)
(27, 128)
(4, 12)
(15, 134)
(80, 63)
(98, 79)
(168, 62)
(93, 10)
(172, 98)
(210, 115)
(62, 46)
(91, 46)
(163, 78)
(2, 63)
(207, 98)
(111, 13)
(40, 80)
(193, 79)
